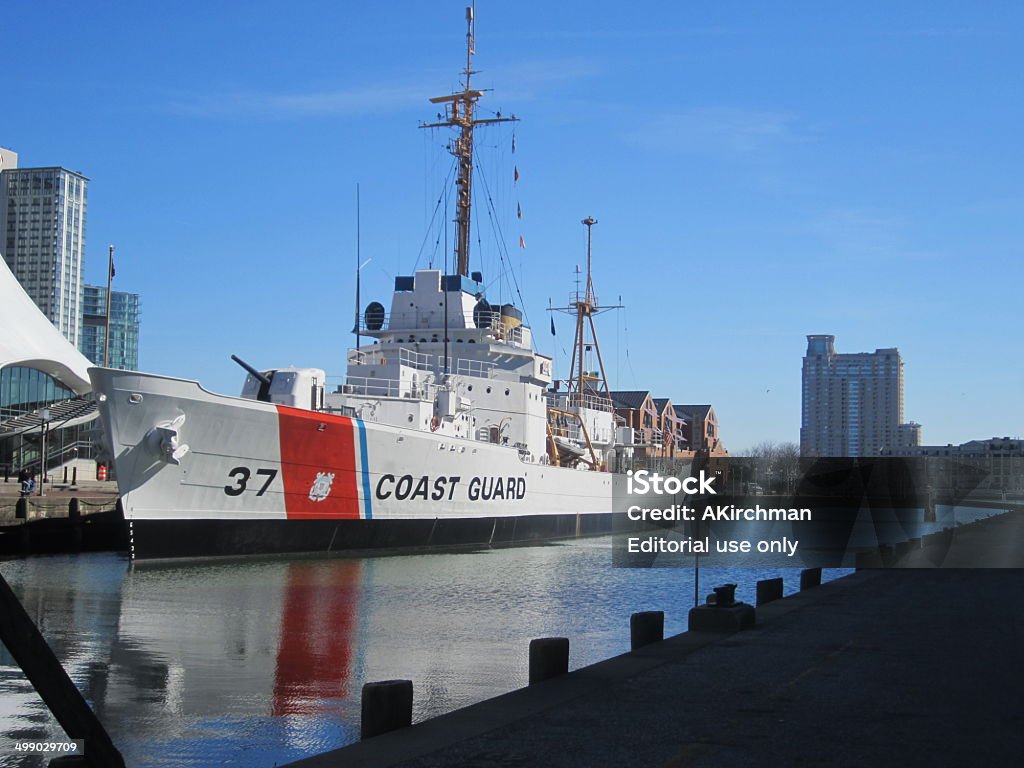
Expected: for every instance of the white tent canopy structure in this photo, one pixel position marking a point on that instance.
(28, 338)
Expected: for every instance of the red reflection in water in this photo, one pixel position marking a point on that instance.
(320, 608)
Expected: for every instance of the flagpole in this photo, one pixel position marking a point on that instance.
(358, 268)
(106, 334)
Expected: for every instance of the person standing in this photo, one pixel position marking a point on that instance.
(28, 483)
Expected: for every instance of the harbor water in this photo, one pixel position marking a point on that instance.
(258, 663)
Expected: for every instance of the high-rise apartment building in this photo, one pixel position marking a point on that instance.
(124, 327)
(852, 403)
(42, 238)
(8, 159)
(908, 435)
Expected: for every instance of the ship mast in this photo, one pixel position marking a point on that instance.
(584, 307)
(460, 113)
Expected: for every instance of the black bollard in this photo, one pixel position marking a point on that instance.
(809, 578)
(769, 590)
(725, 595)
(387, 706)
(722, 613)
(868, 558)
(74, 508)
(74, 475)
(888, 552)
(65, 475)
(21, 509)
(549, 657)
(646, 627)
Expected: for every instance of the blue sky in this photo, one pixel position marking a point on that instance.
(759, 172)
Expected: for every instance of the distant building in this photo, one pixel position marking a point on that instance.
(636, 411)
(908, 435)
(662, 430)
(852, 403)
(998, 463)
(42, 238)
(701, 430)
(673, 428)
(998, 447)
(124, 327)
(39, 369)
(8, 159)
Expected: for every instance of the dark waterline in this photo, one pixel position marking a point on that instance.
(260, 663)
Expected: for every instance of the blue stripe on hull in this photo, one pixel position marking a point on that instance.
(367, 496)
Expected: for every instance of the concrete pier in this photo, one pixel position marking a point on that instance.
(63, 520)
(882, 668)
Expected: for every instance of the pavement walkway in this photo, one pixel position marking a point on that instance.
(883, 668)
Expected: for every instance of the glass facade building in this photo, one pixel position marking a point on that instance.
(42, 237)
(124, 327)
(42, 240)
(27, 390)
(23, 390)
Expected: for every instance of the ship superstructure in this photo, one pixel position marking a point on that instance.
(447, 361)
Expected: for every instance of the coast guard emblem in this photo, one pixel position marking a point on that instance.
(321, 487)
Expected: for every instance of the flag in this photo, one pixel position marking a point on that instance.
(519, 212)
(552, 325)
(515, 174)
(522, 243)
(112, 270)
(513, 143)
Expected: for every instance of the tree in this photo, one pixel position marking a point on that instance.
(778, 464)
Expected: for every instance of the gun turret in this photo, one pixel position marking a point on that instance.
(264, 380)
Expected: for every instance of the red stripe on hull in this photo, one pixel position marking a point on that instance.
(315, 446)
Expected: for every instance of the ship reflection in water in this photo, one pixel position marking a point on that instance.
(260, 663)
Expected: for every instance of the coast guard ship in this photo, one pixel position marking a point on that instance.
(444, 432)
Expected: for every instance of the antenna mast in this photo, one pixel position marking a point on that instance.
(582, 382)
(355, 328)
(459, 113)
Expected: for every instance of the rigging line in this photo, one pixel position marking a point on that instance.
(503, 246)
(479, 243)
(629, 360)
(437, 206)
(495, 229)
(618, 347)
(431, 162)
(505, 263)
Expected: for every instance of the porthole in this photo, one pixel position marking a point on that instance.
(506, 393)
(488, 390)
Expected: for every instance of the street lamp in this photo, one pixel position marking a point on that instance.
(44, 417)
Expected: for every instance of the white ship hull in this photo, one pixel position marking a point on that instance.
(202, 474)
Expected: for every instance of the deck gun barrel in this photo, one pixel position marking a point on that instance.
(262, 378)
